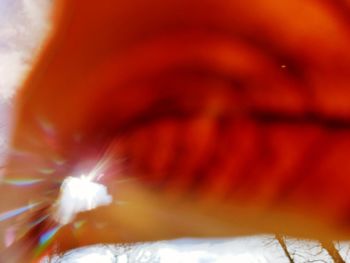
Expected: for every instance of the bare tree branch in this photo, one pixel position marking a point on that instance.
(332, 251)
(283, 244)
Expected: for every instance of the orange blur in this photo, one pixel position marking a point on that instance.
(231, 107)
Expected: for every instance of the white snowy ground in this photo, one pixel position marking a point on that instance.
(23, 24)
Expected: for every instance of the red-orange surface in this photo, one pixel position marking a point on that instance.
(232, 116)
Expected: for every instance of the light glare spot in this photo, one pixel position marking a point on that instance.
(79, 194)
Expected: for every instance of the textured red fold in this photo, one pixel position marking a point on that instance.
(231, 117)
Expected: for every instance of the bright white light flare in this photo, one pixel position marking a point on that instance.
(79, 194)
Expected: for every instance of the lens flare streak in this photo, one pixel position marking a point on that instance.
(38, 221)
(48, 236)
(16, 212)
(45, 240)
(22, 182)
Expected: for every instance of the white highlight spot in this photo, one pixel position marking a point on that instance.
(79, 194)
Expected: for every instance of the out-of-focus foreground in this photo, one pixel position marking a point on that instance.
(235, 119)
